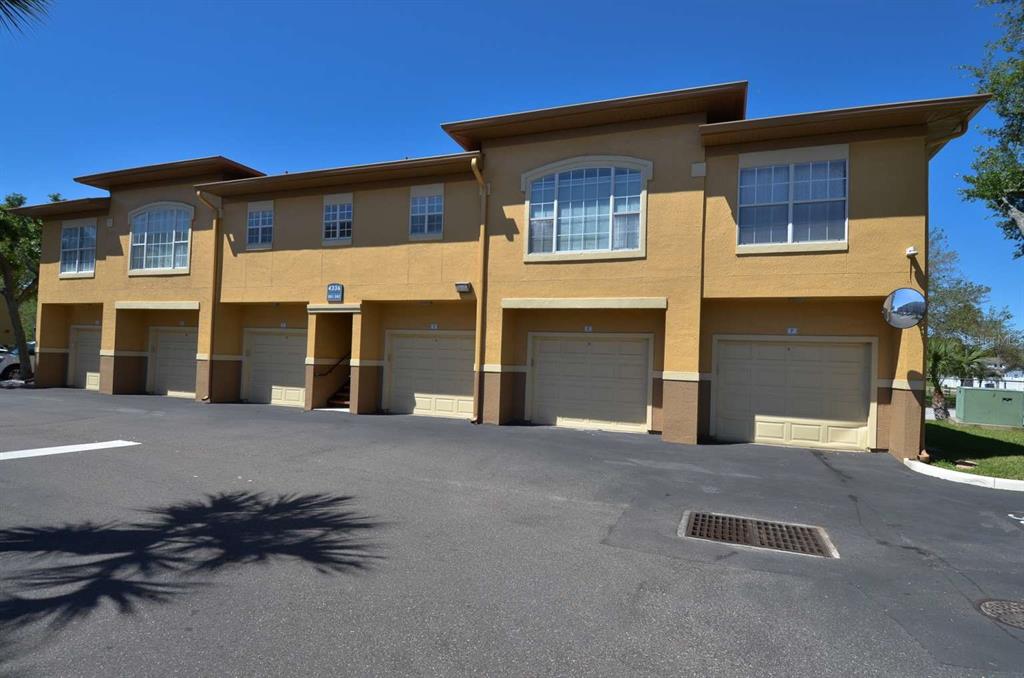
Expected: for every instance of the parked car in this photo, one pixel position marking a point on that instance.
(10, 362)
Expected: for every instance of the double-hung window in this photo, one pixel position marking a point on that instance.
(586, 207)
(160, 237)
(799, 202)
(259, 231)
(337, 218)
(78, 247)
(426, 211)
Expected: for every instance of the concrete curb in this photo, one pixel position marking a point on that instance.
(965, 478)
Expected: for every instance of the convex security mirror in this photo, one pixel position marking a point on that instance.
(904, 308)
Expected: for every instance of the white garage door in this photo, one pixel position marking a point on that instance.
(173, 362)
(808, 394)
(430, 374)
(275, 364)
(84, 366)
(587, 381)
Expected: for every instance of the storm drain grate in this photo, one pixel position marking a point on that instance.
(792, 538)
(1009, 612)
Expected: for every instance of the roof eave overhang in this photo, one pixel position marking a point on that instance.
(63, 208)
(339, 177)
(939, 119)
(727, 101)
(169, 171)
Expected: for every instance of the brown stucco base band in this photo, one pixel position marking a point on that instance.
(680, 408)
(883, 417)
(366, 384)
(504, 395)
(122, 374)
(225, 381)
(906, 423)
(202, 380)
(51, 369)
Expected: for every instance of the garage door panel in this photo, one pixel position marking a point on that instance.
(770, 430)
(276, 368)
(767, 376)
(843, 353)
(431, 375)
(795, 393)
(805, 433)
(763, 352)
(737, 351)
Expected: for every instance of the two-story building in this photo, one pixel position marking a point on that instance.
(657, 263)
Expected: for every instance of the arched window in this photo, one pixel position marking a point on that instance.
(160, 236)
(587, 205)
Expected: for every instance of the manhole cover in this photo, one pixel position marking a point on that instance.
(789, 537)
(1009, 612)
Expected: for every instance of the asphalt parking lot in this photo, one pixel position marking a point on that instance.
(249, 540)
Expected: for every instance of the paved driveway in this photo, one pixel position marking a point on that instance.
(259, 541)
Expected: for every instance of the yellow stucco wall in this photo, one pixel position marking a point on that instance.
(888, 207)
(861, 318)
(234, 319)
(671, 267)
(112, 282)
(377, 318)
(381, 263)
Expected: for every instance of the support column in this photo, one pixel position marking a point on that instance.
(367, 364)
(123, 352)
(204, 348)
(681, 396)
(53, 343)
(906, 410)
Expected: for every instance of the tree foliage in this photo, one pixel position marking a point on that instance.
(950, 357)
(998, 179)
(962, 327)
(15, 15)
(20, 247)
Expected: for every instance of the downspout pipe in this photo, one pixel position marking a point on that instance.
(214, 287)
(481, 295)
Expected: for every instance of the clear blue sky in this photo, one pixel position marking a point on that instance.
(304, 85)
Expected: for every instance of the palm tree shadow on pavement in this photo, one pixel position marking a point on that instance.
(73, 570)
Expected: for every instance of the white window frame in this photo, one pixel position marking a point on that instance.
(172, 270)
(337, 199)
(78, 273)
(646, 169)
(426, 191)
(261, 206)
(791, 157)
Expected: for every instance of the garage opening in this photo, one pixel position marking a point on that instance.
(429, 373)
(811, 393)
(590, 381)
(275, 367)
(172, 361)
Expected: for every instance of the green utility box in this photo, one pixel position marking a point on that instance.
(993, 406)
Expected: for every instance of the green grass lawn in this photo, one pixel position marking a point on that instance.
(998, 452)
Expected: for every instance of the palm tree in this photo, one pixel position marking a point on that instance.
(949, 357)
(15, 15)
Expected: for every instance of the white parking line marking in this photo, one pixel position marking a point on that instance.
(64, 449)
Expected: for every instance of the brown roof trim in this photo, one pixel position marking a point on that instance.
(726, 101)
(942, 118)
(63, 208)
(455, 163)
(179, 169)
